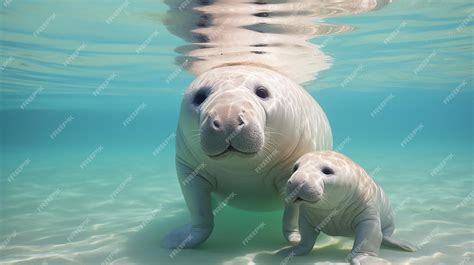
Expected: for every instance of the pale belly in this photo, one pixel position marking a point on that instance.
(330, 222)
(255, 193)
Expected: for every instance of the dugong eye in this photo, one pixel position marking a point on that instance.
(262, 92)
(327, 171)
(200, 97)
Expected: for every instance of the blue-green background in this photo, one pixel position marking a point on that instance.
(434, 211)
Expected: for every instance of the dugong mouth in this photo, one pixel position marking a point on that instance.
(232, 151)
(298, 199)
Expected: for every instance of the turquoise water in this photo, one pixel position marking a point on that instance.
(77, 186)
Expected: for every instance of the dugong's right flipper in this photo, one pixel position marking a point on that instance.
(197, 194)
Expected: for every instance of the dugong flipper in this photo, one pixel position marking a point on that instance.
(197, 194)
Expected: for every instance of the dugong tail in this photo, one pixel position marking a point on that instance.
(398, 244)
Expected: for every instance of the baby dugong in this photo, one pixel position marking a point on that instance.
(336, 196)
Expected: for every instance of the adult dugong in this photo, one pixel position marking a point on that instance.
(240, 130)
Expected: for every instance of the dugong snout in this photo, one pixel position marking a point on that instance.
(226, 119)
(305, 187)
(231, 127)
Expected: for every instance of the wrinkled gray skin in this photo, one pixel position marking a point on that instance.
(235, 143)
(336, 196)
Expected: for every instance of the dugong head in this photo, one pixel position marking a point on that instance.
(242, 112)
(322, 179)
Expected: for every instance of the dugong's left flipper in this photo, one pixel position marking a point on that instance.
(290, 224)
(308, 237)
(367, 242)
(399, 244)
(197, 193)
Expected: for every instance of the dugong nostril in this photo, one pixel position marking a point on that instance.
(241, 120)
(216, 124)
